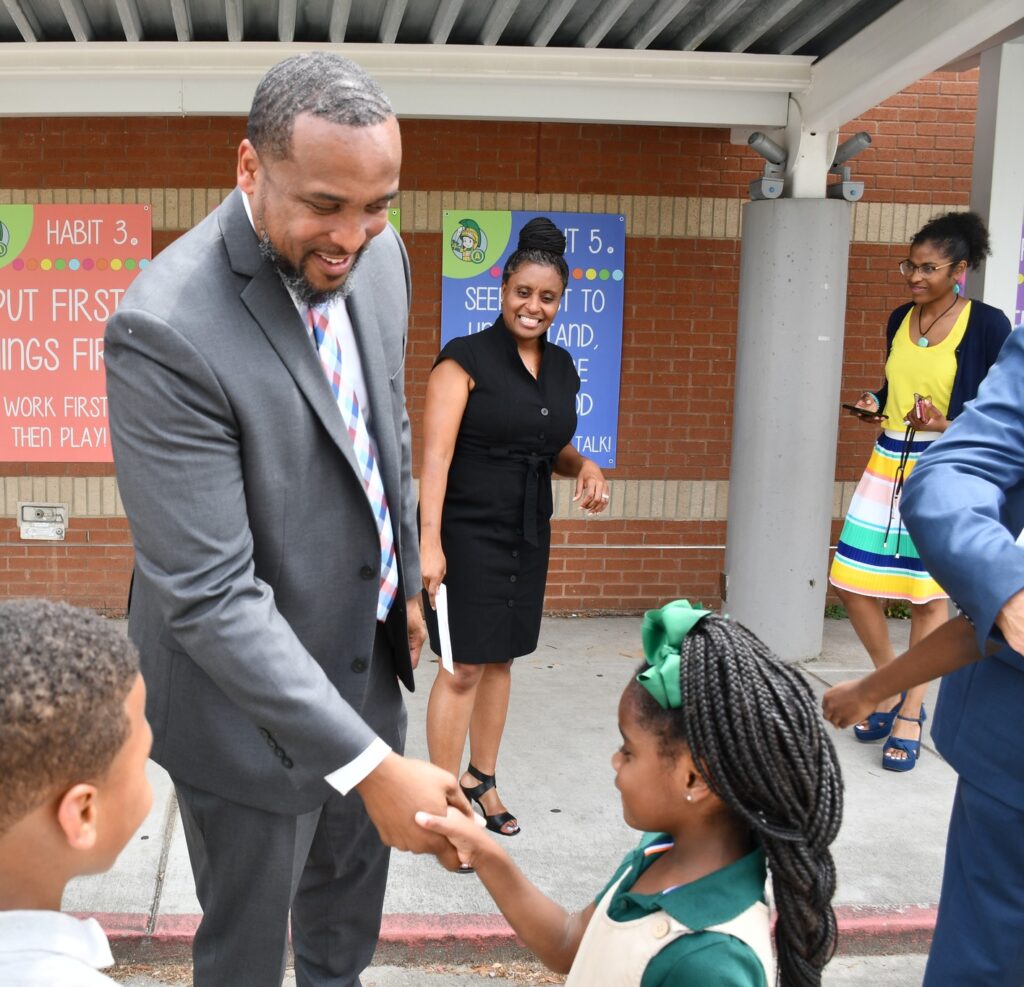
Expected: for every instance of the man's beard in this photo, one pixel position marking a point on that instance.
(296, 282)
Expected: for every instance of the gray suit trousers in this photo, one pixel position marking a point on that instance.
(328, 867)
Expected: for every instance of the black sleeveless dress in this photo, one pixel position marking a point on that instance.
(495, 523)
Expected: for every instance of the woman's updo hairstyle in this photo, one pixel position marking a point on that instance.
(958, 236)
(540, 242)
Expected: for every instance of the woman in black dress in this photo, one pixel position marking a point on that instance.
(499, 420)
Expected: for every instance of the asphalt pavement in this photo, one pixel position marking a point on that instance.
(555, 774)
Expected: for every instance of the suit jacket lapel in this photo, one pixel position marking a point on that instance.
(274, 312)
(363, 315)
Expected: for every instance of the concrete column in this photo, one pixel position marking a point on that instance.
(789, 353)
(997, 181)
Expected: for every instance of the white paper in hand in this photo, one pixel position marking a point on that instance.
(441, 602)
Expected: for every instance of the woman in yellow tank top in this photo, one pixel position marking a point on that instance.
(941, 345)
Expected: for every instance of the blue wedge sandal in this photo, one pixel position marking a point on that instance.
(912, 748)
(879, 724)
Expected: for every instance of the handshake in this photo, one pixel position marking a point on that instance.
(419, 807)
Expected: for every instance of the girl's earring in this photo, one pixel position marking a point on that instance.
(689, 798)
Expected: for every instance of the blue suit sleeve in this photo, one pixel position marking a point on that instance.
(964, 502)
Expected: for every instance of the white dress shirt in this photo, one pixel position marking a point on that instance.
(51, 949)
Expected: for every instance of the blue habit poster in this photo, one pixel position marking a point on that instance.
(476, 244)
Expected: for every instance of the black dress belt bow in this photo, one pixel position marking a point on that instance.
(536, 495)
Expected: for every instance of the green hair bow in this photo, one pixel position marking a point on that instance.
(662, 633)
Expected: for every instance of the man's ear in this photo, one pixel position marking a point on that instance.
(248, 165)
(77, 816)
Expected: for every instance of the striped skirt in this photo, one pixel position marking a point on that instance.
(875, 556)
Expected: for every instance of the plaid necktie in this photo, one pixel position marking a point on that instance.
(329, 349)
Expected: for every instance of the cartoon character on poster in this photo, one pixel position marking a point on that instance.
(469, 242)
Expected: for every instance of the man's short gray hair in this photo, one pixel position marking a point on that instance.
(323, 84)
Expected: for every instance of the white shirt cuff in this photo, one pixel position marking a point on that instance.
(349, 775)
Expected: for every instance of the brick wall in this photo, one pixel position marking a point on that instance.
(681, 190)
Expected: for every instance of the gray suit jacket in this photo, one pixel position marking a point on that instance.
(257, 553)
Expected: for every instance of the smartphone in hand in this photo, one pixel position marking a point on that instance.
(863, 413)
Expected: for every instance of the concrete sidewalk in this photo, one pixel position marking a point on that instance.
(555, 773)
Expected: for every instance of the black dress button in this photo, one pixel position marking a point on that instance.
(515, 553)
(359, 665)
(540, 435)
(543, 411)
(511, 579)
(367, 572)
(511, 603)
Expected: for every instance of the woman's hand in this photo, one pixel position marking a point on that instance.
(433, 566)
(846, 703)
(925, 417)
(591, 488)
(868, 403)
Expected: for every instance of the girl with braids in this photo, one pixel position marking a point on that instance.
(726, 767)
(940, 346)
(499, 420)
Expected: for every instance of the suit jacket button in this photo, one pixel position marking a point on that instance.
(367, 572)
(265, 732)
(359, 665)
(287, 762)
(271, 743)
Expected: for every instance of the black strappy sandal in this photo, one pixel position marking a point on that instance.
(476, 794)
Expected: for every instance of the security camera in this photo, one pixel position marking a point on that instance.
(845, 188)
(767, 148)
(770, 184)
(851, 146)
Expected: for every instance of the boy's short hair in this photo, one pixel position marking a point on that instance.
(64, 676)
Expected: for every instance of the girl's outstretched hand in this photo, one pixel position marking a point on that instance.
(845, 704)
(464, 833)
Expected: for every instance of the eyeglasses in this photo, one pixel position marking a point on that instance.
(909, 269)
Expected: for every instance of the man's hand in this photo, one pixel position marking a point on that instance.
(417, 628)
(1011, 622)
(846, 703)
(397, 789)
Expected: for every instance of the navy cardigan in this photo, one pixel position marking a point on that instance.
(987, 330)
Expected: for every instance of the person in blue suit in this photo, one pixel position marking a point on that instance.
(964, 508)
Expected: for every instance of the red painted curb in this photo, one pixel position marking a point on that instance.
(457, 938)
(872, 930)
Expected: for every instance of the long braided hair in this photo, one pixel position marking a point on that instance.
(755, 732)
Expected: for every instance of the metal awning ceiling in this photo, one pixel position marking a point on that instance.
(687, 62)
(777, 27)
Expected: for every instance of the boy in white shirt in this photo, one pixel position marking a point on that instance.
(73, 747)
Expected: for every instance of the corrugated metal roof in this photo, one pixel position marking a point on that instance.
(786, 27)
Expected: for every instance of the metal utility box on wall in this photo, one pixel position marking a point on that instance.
(42, 522)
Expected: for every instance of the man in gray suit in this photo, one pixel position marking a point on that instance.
(257, 408)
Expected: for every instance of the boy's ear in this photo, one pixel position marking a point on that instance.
(76, 815)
